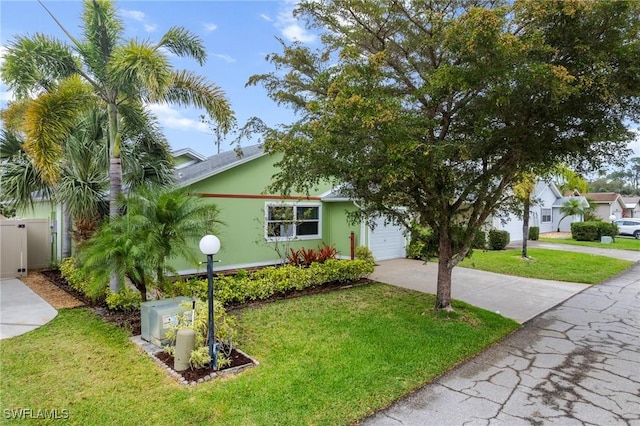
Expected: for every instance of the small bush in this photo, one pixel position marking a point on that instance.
(126, 300)
(81, 281)
(364, 253)
(423, 244)
(534, 233)
(592, 231)
(480, 240)
(305, 257)
(498, 239)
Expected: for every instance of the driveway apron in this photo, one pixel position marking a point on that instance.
(576, 364)
(21, 310)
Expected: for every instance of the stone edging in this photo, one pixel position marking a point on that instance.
(151, 349)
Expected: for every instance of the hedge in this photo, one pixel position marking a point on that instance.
(264, 283)
(534, 233)
(592, 231)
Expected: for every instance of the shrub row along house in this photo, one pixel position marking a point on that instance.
(259, 228)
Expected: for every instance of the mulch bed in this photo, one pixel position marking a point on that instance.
(130, 321)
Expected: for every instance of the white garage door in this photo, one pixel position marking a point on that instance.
(387, 241)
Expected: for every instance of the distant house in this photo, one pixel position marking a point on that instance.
(607, 204)
(632, 207)
(544, 212)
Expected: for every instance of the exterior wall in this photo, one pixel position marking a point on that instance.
(239, 194)
(337, 230)
(603, 211)
(546, 200)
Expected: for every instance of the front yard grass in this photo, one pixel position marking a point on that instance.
(622, 243)
(330, 359)
(548, 265)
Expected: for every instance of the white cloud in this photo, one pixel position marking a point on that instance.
(225, 58)
(295, 32)
(171, 118)
(266, 17)
(289, 25)
(209, 27)
(133, 14)
(150, 27)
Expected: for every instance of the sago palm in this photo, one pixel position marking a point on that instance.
(122, 74)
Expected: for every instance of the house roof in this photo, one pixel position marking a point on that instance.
(562, 200)
(188, 152)
(217, 163)
(602, 197)
(631, 202)
(335, 195)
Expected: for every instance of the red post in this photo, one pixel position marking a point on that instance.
(352, 237)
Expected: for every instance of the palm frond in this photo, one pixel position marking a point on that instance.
(13, 115)
(102, 32)
(48, 121)
(10, 144)
(182, 42)
(35, 64)
(21, 183)
(190, 89)
(137, 68)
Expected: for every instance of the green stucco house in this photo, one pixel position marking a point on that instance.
(259, 227)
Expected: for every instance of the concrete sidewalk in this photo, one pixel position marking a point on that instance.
(633, 256)
(577, 364)
(21, 310)
(513, 297)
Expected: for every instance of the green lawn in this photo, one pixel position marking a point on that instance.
(548, 264)
(622, 243)
(325, 359)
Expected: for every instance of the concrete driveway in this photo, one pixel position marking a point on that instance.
(21, 310)
(513, 297)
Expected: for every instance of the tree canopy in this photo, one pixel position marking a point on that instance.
(435, 106)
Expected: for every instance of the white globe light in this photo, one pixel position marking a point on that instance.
(209, 244)
(612, 217)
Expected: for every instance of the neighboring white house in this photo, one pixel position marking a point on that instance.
(544, 212)
(608, 203)
(632, 206)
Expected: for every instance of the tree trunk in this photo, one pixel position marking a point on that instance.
(443, 295)
(115, 187)
(525, 224)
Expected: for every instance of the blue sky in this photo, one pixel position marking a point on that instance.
(237, 35)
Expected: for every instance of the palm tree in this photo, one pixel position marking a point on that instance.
(82, 185)
(122, 76)
(159, 224)
(571, 207)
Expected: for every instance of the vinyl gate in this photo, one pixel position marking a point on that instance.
(24, 244)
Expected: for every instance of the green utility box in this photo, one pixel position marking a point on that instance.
(158, 316)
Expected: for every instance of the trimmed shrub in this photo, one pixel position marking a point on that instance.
(534, 233)
(364, 253)
(423, 244)
(498, 239)
(81, 281)
(592, 231)
(480, 240)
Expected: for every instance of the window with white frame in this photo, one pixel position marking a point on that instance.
(546, 215)
(292, 221)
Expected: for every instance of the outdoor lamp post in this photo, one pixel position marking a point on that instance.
(613, 227)
(210, 245)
